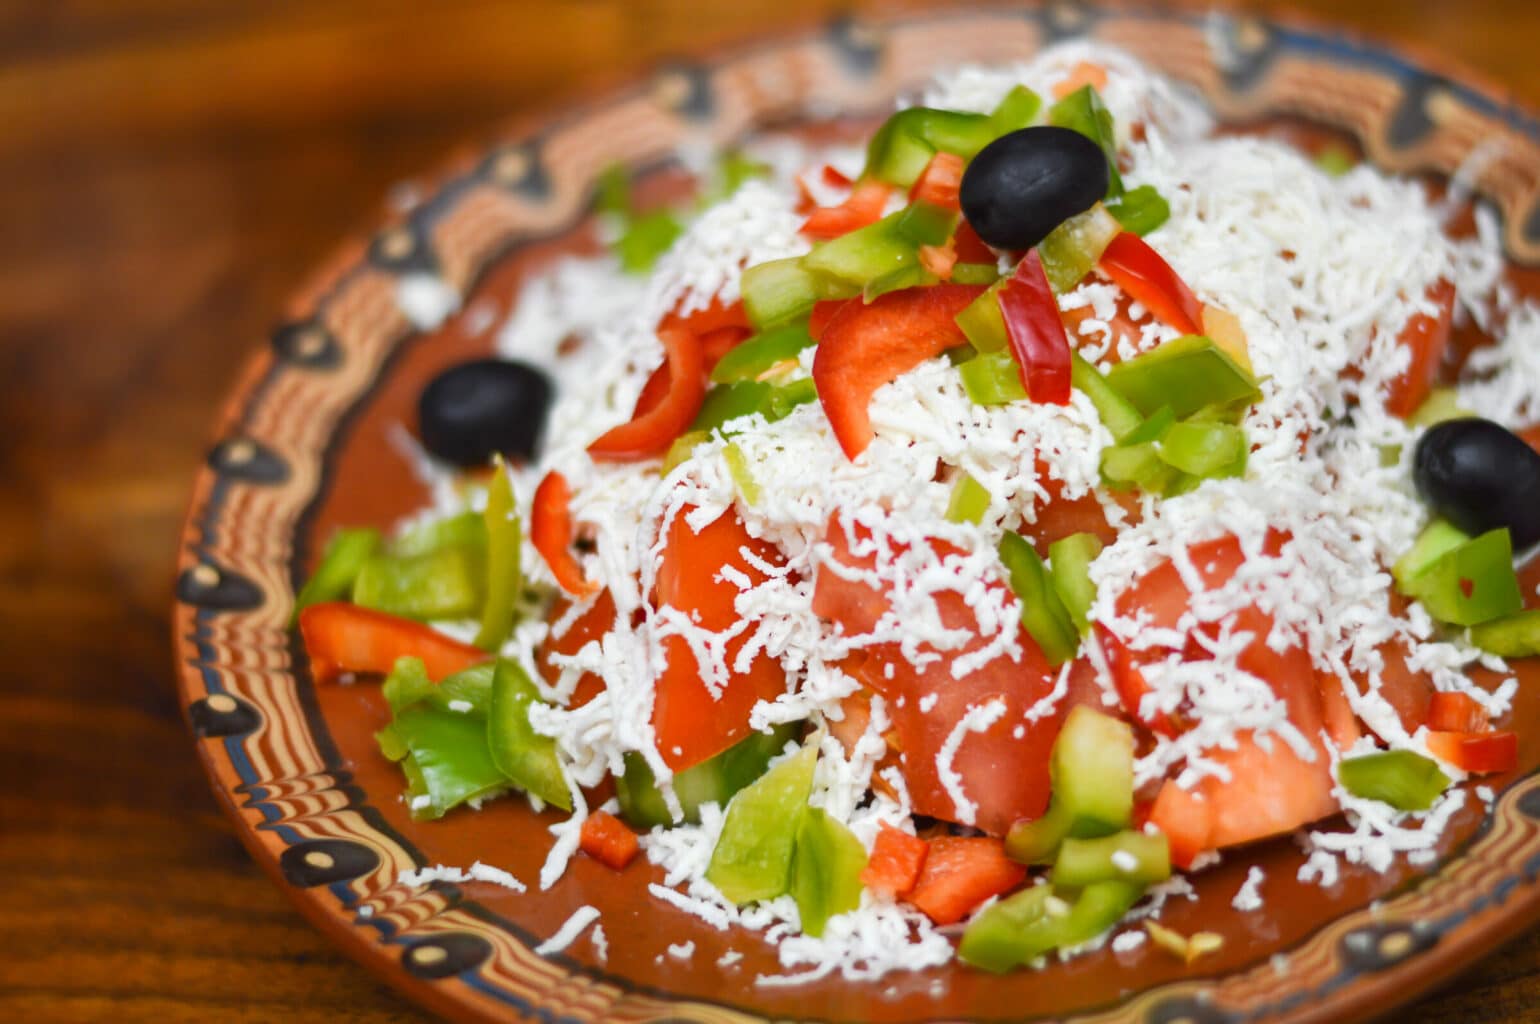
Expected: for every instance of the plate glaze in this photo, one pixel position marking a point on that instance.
(302, 448)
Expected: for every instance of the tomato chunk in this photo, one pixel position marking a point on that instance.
(344, 639)
(1478, 753)
(1427, 337)
(960, 873)
(1187, 820)
(591, 625)
(895, 862)
(608, 840)
(1455, 712)
(692, 724)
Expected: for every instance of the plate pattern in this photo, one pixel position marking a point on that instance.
(248, 694)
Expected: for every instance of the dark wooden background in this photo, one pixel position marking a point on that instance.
(169, 169)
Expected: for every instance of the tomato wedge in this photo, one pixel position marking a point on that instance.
(550, 531)
(690, 723)
(940, 183)
(1141, 272)
(864, 207)
(651, 432)
(896, 861)
(1478, 753)
(1428, 339)
(591, 625)
(1036, 333)
(865, 346)
(343, 638)
(1186, 819)
(1455, 712)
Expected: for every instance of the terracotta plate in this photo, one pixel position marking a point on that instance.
(304, 446)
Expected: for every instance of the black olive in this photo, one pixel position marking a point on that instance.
(484, 407)
(1481, 476)
(1023, 185)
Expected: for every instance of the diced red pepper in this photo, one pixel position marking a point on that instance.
(1035, 331)
(970, 247)
(865, 346)
(864, 207)
(1455, 712)
(1147, 278)
(895, 862)
(607, 840)
(651, 432)
(960, 873)
(1427, 337)
(940, 182)
(1478, 753)
(550, 531)
(343, 638)
(1186, 819)
(714, 317)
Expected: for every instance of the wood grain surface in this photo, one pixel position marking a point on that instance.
(169, 170)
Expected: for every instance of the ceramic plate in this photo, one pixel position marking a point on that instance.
(303, 447)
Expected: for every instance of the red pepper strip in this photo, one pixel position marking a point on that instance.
(1035, 331)
(651, 432)
(962, 872)
(720, 328)
(896, 861)
(1139, 270)
(1455, 712)
(864, 207)
(834, 176)
(550, 531)
(970, 247)
(1481, 753)
(344, 638)
(607, 840)
(714, 317)
(865, 346)
(823, 314)
(940, 182)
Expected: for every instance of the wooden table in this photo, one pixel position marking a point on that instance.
(170, 170)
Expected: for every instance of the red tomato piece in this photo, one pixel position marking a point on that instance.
(1428, 339)
(960, 873)
(1268, 792)
(1141, 272)
(1478, 753)
(592, 624)
(550, 531)
(1187, 820)
(651, 432)
(607, 840)
(1083, 73)
(690, 723)
(1122, 326)
(1455, 712)
(1036, 333)
(865, 205)
(343, 638)
(1341, 723)
(865, 346)
(940, 182)
(896, 861)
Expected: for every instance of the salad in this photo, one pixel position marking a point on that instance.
(945, 546)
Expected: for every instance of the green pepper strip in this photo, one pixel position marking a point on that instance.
(332, 580)
(983, 325)
(751, 359)
(1512, 636)
(743, 477)
(1403, 779)
(1042, 613)
(1091, 770)
(442, 584)
(1070, 560)
(1018, 110)
(901, 148)
(825, 870)
(1205, 450)
(866, 254)
(1024, 927)
(1072, 249)
(522, 756)
(992, 378)
(1471, 583)
(780, 291)
(1436, 539)
(715, 780)
(1140, 210)
(975, 273)
(472, 686)
(1117, 414)
(504, 578)
(465, 530)
(1128, 856)
(752, 858)
(728, 402)
(1083, 111)
(448, 757)
(1186, 374)
(969, 501)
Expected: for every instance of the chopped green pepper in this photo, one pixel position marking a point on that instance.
(975, 273)
(1470, 584)
(714, 780)
(925, 223)
(992, 378)
(1035, 922)
(1083, 111)
(1092, 773)
(743, 478)
(1335, 161)
(825, 870)
(1072, 249)
(1128, 856)
(1512, 636)
(901, 148)
(332, 580)
(504, 578)
(523, 756)
(465, 530)
(727, 402)
(753, 358)
(780, 291)
(1205, 450)
(1436, 539)
(1070, 561)
(1018, 110)
(444, 584)
(1042, 613)
(865, 254)
(983, 324)
(472, 686)
(684, 445)
(1117, 414)
(644, 238)
(733, 168)
(1405, 780)
(1441, 405)
(910, 276)
(752, 858)
(969, 501)
(1140, 210)
(1187, 374)
(407, 684)
(448, 757)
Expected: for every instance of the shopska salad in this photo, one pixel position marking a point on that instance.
(984, 527)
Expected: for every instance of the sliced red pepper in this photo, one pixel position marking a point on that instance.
(607, 840)
(940, 182)
(962, 872)
(895, 862)
(550, 531)
(1479, 753)
(970, 247)
(865, 346)
(1427, 337)
(823, 315)
(864, 207)
(1147, 278)
(714, 317)
(1035, 331)
(834, 176)
(343, 639)
(1455, 712)
(651, 432)
(720, 329)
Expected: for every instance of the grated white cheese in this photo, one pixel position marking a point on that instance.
(1249, 896)
(568, 933)
(477, 872)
